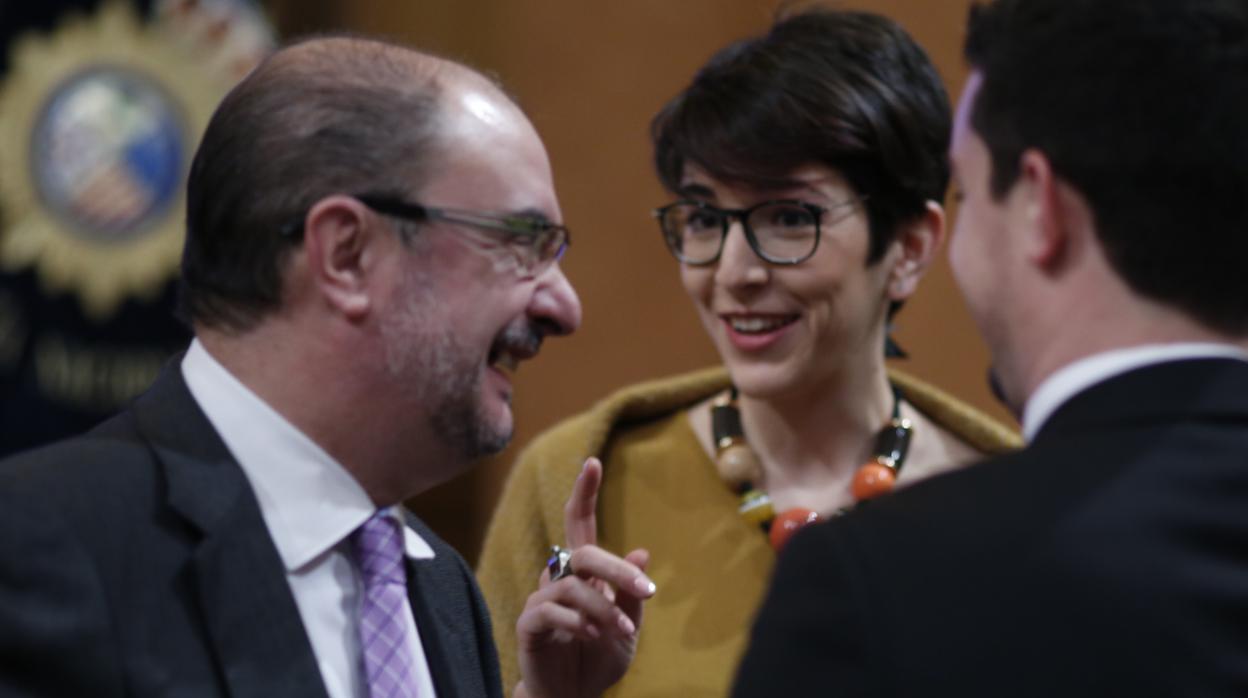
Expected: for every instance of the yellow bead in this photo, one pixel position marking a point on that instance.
(756, 507)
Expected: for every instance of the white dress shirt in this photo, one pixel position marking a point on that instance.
(310, 504)
(1075, 377)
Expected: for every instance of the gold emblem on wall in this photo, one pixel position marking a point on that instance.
(98, 123)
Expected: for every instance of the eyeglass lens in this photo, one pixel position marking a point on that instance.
(782, 231)
(536, 244)
(551, 245)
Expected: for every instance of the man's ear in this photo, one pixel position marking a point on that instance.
(1044, 208)
(918, 240)
(338, 234)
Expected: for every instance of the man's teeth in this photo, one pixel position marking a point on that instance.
(755, 325)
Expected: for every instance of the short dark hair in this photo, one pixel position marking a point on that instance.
(330, 115)
(848, 90)
(1142, 106)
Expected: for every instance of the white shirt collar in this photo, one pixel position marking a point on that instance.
(1073, 378)
(310, 503)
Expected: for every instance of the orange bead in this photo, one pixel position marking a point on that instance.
(788, 523)
(873, 480)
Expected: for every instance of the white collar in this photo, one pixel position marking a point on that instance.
(1073, 378)
(310, 503)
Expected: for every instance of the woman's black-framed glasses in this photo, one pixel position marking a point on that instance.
(780, 232)
(539, 241)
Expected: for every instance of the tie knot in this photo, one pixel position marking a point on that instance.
(378, 548)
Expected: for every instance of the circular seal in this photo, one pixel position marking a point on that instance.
(100, 116)
(107, 153)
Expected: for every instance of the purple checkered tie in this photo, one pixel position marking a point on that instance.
(378, 548)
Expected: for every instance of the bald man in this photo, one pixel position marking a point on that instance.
(372, 247)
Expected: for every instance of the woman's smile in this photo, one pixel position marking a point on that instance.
(756, 332)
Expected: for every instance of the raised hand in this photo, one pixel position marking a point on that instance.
(577, 635)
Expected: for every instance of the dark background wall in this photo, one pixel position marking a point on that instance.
(590, 73)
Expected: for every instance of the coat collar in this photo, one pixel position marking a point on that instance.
(252, 622)
(440, 637)
(457, 642)
(1206, 389)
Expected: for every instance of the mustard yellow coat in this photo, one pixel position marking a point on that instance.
(661, 492)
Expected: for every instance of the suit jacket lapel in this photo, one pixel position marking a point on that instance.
(440, 636)
(1199, 389)
(253, 624)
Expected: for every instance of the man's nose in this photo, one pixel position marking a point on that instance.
(555, 304)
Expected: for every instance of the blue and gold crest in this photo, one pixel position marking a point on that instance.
(102, 103)
(100, 121)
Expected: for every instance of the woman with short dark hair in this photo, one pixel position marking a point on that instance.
(806, 167)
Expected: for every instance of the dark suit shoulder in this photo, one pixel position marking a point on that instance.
(951, 508)
(816, 587)
(1119, 544)
(53, 604)
(105, 491)
(852, 595)
(109, 469)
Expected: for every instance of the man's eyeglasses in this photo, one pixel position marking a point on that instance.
(538, 241)
(780, 232)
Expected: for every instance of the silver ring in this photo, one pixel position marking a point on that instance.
(560, 563)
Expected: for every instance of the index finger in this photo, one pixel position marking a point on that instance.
(580, 518)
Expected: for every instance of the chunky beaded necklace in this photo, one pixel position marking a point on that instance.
(739, 466)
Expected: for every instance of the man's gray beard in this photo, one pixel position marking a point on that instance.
(449, 383)
(459, 420)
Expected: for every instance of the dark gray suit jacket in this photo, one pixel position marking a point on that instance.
(134, 562)
(1109, 558)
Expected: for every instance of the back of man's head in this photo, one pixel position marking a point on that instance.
(332, 115)
(1141, 105)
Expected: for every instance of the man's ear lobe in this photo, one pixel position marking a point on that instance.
(1047, 222)
(337, 235)
(919, 239)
